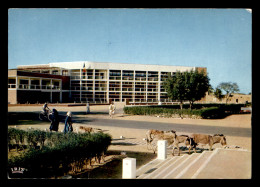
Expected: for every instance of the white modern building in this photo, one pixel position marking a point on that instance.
(100, 82)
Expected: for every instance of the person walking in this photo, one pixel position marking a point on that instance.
(54, 117)
(68, 123)
(88, 108)
(112, 109)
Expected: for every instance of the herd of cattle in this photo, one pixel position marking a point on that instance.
(190, 141)
(173, 139)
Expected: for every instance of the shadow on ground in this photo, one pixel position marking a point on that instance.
(24, 118)
(32, 118)
(113, 169)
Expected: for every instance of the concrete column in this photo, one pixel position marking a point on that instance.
(120, 96)
(94, 87)
(51, 91)
(162, 149)
(129, 168)
(80, 83)
(16, 82)
(107, 85)
(134, 87)
(159, 86)
(146, 86)
(60, 91)
(69, 74)
(40, 83)
(29, 86)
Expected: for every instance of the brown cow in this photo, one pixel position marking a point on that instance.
(207, 139)
(153, 134)
(177, 139)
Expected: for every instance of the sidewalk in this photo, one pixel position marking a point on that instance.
(217, 164)
(228, 164)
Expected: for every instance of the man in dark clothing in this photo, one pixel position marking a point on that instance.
(54, 117)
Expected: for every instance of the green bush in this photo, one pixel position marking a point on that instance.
(232, 108)
(33, 137)
(211, 112)
(62, 150)
(16, 137)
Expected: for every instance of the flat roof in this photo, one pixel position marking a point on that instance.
(33, 66)
(119, 66)
(109, 65)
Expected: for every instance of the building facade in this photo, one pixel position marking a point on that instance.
(34, 87)
(96, 82)
(236, 98)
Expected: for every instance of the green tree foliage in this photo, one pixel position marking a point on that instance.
(218, 93)
(197, 84)
(189, 85)
(175, 87)
(229, 88)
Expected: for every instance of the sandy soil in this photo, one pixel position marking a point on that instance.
(134, 137)
(133, 143)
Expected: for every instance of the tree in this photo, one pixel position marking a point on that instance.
(189, 85)
(197, 84)
(175, 87)
(211, 90)
(229, 88)
(218, 93)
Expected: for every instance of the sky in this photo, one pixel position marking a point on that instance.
(218, 39)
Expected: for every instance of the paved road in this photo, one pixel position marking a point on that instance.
(228, 131)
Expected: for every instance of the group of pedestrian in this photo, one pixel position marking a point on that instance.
(55, 120)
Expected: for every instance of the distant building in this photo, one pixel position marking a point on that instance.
(97, 82)
(90, 82)
(236, 98)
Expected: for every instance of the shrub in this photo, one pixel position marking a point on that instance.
(205, 113)
(33, 138)
(63, 151)
(212, 113)
(16, 136)
(12, 134)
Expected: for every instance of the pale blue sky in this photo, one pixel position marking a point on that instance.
(218, 39)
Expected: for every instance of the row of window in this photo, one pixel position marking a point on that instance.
(90, 72)
(117, 73)
(102, 98)
(137, 78)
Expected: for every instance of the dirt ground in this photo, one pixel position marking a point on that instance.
(237, 120)
(136, 136)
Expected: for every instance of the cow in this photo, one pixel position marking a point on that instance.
(177, 139)
(205, 139)
(153, 134)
